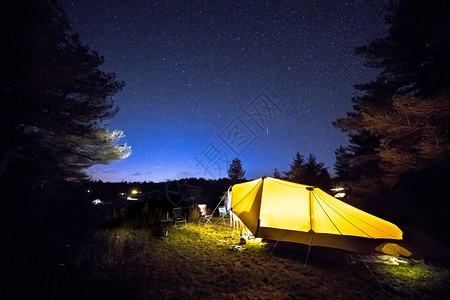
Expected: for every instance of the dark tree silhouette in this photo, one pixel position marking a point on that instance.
(295, 174)
(276, 174)
(399, 129)
(413, 135)
(308, 172)
(236, 172)
(315, 173)
(414, 59)
(343, 165)
(54, 98)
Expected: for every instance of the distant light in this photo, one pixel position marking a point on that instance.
(134, 192)
(122, 194)
(97, 202)
(339, 195)
(89, 191)
(337, 189)
(131, 198)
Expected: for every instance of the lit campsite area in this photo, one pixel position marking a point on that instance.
(224, 149)
(149, 250)
(208, 262)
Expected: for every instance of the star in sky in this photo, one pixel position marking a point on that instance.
(192, 68)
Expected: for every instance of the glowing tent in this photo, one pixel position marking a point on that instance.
(285, 211)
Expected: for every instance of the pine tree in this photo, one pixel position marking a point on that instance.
(54, 98)
(413, 135)
(308, 172)
(276, 174)
(414, 59)
(343, 165)
(296, 173)
(236, 172)
(399, 129)
(315, 173)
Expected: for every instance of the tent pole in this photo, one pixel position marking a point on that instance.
(309, 248)
(221, 200)
(274, 247)
(310, 194)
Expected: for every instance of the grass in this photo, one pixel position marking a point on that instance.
(131, 261)
(416, 280)
(130, 258)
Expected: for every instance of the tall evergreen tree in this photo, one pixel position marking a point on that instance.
(308, 172)
(414, 134)
(276, 174)
(315, 173)
(399, 129)
(236, 172)
(295, 174)
(414, 59)
(343, 166)
(54, 98)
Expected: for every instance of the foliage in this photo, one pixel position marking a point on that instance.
(194, 214)
(131, 259)
(414, 62)
(413, 134)
(276, 174)
(398, 155)
(413, 278)
(236, 172)
(295, 174)
(316, 173)
(308, 172)
(343, 165)
(413, 57)
(54, 98)
(197, 262)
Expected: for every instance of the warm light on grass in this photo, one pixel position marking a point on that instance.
(416, 276)
(216, 236)
(411, 273)
(210, 261)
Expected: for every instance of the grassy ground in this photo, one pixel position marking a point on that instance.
(134, 261)
(130, 258)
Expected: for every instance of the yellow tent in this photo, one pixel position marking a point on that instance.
(285, 211)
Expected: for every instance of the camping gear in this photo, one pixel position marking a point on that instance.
(393, 249)
(223, 206)
(204, 214)
(223, 214)
(179, 217)
(164, 224)
(285, 211)
(378, 259)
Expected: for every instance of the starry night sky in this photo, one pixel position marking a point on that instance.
(211, 80)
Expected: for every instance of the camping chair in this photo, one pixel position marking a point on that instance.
(223, 213)
(204, 214)
(178, 217)
(164, 225)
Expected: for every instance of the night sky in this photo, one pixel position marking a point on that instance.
(212, 80)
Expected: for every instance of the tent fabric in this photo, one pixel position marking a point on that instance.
(393, 249)
(286, 211)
